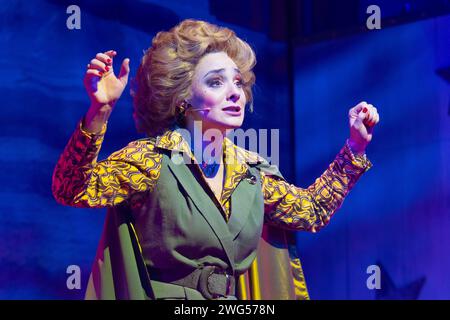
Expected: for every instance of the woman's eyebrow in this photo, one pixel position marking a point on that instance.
(220, 71)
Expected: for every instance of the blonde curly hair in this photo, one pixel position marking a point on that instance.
(165, 74)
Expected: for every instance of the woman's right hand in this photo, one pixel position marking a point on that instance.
(102, 85)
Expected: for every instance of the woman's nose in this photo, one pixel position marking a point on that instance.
(234, 94)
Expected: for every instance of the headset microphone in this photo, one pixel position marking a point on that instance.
(191, 108)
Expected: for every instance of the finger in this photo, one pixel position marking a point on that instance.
(372, 121)
(356, 110)
(110, 53)
(370, 115)
(377, 114)
(377, 118)
(369, 118)
(373, 113)
(362, 115)
(124, 70)
(374, 116)
(371, 126)
(107, 60)
(97, 64)
(93, 72)
(360, 106)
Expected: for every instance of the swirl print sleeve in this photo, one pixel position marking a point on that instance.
(294, 208)
(80, 181)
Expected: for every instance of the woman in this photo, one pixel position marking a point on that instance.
(215, 227)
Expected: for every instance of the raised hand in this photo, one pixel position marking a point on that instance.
(103, 89)
(362, 119)
(102, 85)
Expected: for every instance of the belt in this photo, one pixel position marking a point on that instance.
(211, 281)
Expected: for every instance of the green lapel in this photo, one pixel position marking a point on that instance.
(242, 202)
(204, 204)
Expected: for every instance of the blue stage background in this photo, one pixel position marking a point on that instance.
(399, 213)
(397, 216)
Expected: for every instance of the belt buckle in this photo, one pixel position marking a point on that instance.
(205, 281)
(224, 272)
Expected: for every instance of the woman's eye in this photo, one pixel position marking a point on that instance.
(218, 82)
(215, 83)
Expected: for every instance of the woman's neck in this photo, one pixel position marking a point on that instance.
(206, 143)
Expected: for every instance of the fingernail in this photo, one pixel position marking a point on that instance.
(107, 68)
(109, 60)
(365, 110)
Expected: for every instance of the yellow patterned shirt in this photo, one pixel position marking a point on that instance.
(80, 180)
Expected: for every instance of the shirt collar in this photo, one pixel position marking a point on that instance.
(174, 140)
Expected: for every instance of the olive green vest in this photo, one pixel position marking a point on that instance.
(166, 232)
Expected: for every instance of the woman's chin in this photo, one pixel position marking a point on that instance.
(229, 124)
(232, 126)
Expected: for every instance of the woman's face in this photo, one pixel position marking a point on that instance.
(217, 89)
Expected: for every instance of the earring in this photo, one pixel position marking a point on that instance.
(182, 107)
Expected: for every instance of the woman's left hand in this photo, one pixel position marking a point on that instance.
(362, 119)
